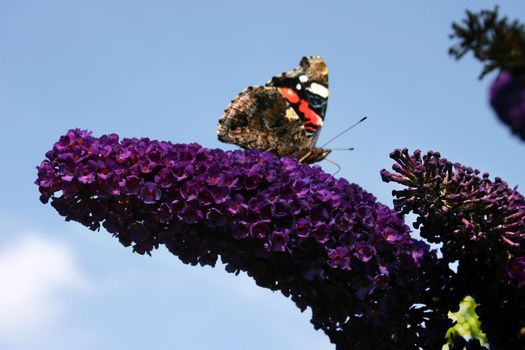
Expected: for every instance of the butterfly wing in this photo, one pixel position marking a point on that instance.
(306, 89)
(285, 116)
(259, 117)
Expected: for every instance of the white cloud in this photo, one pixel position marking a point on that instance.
(36, 274)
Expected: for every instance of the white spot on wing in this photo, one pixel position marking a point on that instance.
(318, 89)
(303, 78)
(298, 87)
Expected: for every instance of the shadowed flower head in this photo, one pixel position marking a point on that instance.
(322, 241)
(481, 226)
(507, 97)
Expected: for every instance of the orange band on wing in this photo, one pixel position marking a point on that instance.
(289, 95)
(312, 121)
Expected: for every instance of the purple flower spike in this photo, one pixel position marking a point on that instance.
(324, 242)
(507, 97)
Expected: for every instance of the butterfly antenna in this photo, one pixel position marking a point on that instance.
(344, 131)
(334, 163)
(343, 149)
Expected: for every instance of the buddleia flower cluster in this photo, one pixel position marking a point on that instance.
(324, 242)
(507, 97)
(500, 45)
(480, 224)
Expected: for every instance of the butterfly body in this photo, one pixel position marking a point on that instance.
(284, 116)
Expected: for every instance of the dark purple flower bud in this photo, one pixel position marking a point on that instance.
(191, 215)
(365, 213)
(267, 211)
(342, 222)
(164, 213)
(280, 208)
(260, 229)
(320, 232)
(133, 184)
(63, 143)
(177, 206)
(149, 192)
(115, 185)
(190, 190)
(365, 252)
(228, 179)
(235, 204)
(338, 258)
(220, 194)
(182, 170)
(277, 241)
(214, 218)
(67, 170)
(46, 175)
(212, 176)
(123, 155)
(301, 187)
(170, 158)
(303, 228)
(507, 97)
(253, 178)
(391, 236)
(516, 271)
(146, 166)
(165, 178)
(205, 198)
(318, 213)
(288, 165)
(105, 150)
(112, 223)
(255, 204)
(297, 206)
(138, 232)
(326, 196)
(313, 274)
(241, 230)
(363, 290)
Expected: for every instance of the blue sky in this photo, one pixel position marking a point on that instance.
(166, 70)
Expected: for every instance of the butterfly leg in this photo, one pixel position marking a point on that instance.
(303, 158)
(334, 163)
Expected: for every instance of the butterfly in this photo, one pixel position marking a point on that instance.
(285, 116)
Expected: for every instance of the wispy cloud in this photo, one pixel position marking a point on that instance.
(37, 274)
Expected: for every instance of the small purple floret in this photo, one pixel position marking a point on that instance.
(150, 193)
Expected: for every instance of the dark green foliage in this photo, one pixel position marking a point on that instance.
(496, 42)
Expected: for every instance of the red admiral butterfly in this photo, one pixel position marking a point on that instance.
(284, 116)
